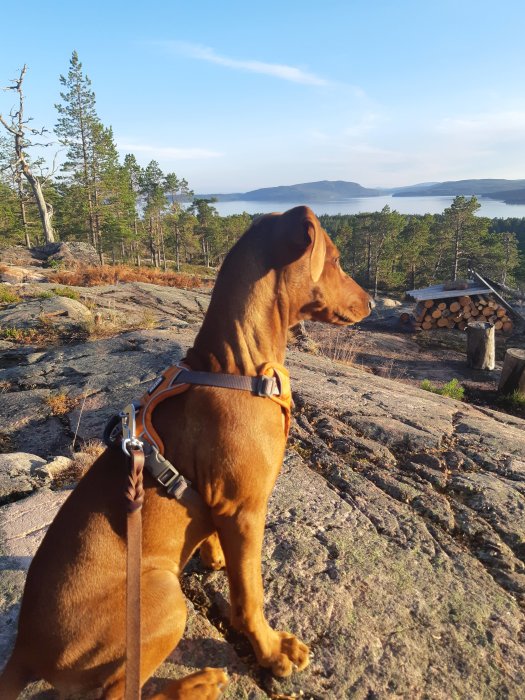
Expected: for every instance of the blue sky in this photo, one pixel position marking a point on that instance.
(235, 95)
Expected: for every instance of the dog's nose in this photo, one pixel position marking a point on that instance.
(371, 304)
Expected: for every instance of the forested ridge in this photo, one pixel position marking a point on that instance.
(142, 215)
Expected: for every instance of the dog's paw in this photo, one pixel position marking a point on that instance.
(207, 684)
(211, 553)
(289, 654)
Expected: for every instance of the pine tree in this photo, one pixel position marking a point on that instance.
(76, 129)
(177, 191)
(413, 247)
(461, 234)
(10, 223)
(95, 176)
(154, 195)
(131, 179)
(207, 228)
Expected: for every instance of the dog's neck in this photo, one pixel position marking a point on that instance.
(247, 321)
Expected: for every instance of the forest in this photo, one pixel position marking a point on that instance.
(144, 216)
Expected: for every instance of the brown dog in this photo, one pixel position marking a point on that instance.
(230, 444)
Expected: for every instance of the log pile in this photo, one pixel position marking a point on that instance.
(457, 312)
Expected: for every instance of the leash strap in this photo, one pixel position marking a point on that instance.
(135, 496)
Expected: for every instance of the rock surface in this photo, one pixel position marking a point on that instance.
(69, 253)
(61, 312)
(20, 475)
(17, 275)
(395, 541)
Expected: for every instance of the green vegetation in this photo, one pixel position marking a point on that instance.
(18, 335)
(66, 292)
(7, 296)
(512, 402)
(452, 389)
(387, 251)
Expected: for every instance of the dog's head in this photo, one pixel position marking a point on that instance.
(318, 288)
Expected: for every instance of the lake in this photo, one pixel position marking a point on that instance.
(404, 205)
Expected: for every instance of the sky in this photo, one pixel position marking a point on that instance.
(238, 95)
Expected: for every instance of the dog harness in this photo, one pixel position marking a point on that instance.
(134, 428)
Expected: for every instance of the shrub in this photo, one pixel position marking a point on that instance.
(452, 389)
(512, 402)
(8, 296)
(66, 292)
(60, 403)
(24, 336)
(91, 276)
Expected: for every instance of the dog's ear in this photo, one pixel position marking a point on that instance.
(297, 232)
(308, 236)
(316, 237)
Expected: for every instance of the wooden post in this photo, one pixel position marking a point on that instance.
(513, 372)
(481, 345)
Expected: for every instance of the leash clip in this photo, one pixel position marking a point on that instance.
(129, 429)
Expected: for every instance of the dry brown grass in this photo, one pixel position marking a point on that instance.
(81, 462)
(92, 276)
(339, 345)
(107, 323)
(60, 403)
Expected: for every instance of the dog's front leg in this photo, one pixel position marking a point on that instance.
(241, 536)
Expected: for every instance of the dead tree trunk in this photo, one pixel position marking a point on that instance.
(513, 372)
(21, 200)
(18, 128)
(177, 249)
(44, 210)
(24, 223)
(481, 345)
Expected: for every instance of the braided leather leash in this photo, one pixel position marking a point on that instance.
(135, 497)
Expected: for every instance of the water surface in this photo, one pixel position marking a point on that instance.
(404, 205)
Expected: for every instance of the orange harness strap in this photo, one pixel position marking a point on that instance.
(165, 387)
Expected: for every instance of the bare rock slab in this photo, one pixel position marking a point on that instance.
(385, 617)
(58, 311)
(20, 475)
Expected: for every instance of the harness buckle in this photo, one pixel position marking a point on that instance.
(266, 386)
(174, 483)
(165, 473)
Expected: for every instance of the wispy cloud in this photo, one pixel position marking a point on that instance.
(277, 70)
(505, 125)
(169, 151)
(365, 123)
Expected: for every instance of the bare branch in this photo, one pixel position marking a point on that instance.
(9, 128)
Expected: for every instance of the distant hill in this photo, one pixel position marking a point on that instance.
(452, 188)
(323, 191)
(510, 191)
(509, 196)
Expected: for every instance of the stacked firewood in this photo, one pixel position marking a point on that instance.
(458, 312)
